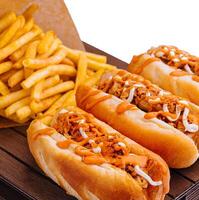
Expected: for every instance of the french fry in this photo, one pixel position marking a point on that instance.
(58, 104)
(70, 101)
(43, 84)
(46, 72)
(59, 88)
(37, 90)
(46, 42)
(13, 97)
(93, 80)
(31, 51)
(97, 66)
(28, 13)
(37, 107)
(67, 61)
(5, 66)
(90, 72)
(5, 76)
(13, 46)
(45, 69)
(13, 117)
(81, 70)
(23, 21)
(56, 43)
(16, 78)
(3, 88)
(92, 64)
(19, 63)
(7, 20)
(18, 54)
(51, 81)
(40, 36)
(27, 27)
(24, 112)
(40, 63)
(74, 56)
(17, 105)
(96, 57)
(8, 34)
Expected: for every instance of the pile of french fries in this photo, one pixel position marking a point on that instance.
(38, 74)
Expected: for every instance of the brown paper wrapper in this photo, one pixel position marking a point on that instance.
(51, 15)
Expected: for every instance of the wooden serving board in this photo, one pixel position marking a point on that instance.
(51, 15)
(20, 177)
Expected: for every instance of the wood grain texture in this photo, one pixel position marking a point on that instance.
(191, 172)
(168, 198)
(193, 194)
(1, 198)
(27, 181)
(8, 193)
(21, 129)
(178, 184)
(6, 123)
(16, 145)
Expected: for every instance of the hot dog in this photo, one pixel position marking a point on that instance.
(158, 120)
(172, 69)
(91, 160)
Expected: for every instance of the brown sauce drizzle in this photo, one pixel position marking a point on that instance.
(147, 62)
(124, 106)
(81, 151)
(97, 100)
(46, 131)
(195, 78)
(136, 58)
(91, 93)
(179, 73)
(95, 160)
(64, 144)
(121, 72)
(151, 115)
(183, 73)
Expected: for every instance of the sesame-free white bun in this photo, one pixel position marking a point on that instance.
(176, 148)
(92, 182)
(159, 73)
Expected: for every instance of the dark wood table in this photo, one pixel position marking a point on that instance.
(20, 178)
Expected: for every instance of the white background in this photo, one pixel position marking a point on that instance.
(126, 27)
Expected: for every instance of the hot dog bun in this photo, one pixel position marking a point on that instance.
(178, 150)
(159, 73)
(94, 182)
